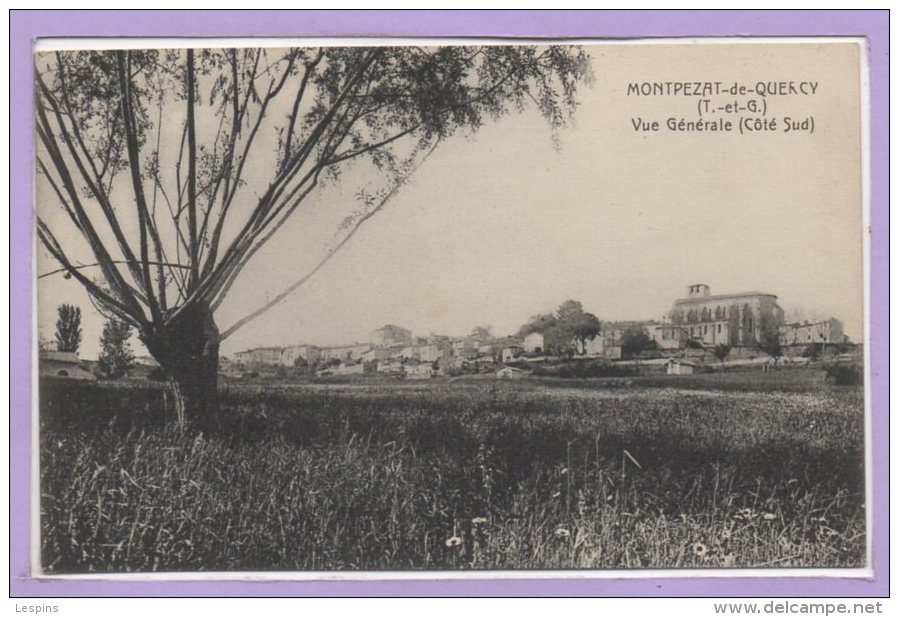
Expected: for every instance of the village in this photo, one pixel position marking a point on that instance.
(700, 330)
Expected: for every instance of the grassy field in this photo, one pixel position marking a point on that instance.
(470, 474)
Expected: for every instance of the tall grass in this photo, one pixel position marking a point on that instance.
(461, 475)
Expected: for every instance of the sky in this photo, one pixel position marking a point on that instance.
(501, 225)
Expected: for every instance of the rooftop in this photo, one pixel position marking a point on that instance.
(744, 294)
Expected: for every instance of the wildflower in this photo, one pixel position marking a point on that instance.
(700, 549)
(729, 561)
(769, 516)
(562, 533)
(826, 532)
(726, 534)
(745, 514)
(479, 520)
(564, 471)
(453, 542)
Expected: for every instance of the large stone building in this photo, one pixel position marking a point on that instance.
(391, 336)
(737, 319)
(260, 356)
(354, 351)
(828, 331)
(309, 354)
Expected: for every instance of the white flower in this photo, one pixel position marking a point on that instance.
(562, 533)
(453, 542)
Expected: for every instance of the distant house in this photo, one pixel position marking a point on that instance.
(533, 343)
(666, 335)
(63, 365)
(822, 332)
(594, 346)
(429, 353)
(448, 364)
(465, 347)
(421, 370)
(349, 369)
(259, 357)
(410, 351)
(485, 363)
(510, 372)
(676, 366)
(377, 353)
(389, 367)
(510, 353)
(354, 351)
(308, 353)
(391, 336)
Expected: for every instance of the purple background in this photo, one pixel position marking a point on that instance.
(27, 25)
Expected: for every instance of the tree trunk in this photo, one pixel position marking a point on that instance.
(188, 353)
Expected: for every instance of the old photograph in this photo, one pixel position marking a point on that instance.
(447, 305)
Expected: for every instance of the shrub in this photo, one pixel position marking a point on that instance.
(845, 374)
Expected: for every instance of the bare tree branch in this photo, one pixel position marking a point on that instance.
(359, 222)
(128, 116)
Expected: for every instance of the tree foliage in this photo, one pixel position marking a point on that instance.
(103, 117)
(482, 333)
(634, 340)
(176, 166)
(68, 328)
(574, 321)
(721, 351)
(115, 358)
(769, 342)
(565, 328)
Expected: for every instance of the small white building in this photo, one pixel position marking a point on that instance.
(676, 366)
(389, 367)
(410, 351)
(533, 343)
(510, 372)
(429, 353)
(63, 365)
(511, 353)
(349, 369)
(422, 370)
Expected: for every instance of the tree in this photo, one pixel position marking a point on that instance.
(769, 342)
(721, 351)
(68, 328)
(115, 358)
(635, 339)
(482, 333)
(575, 324)
(769, 338)
(538, 323)
(147, 153)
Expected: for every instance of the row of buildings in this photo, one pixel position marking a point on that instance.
(699, 319)
(389, 349)
(739, 320)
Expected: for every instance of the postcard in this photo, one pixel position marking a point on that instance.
(387, 309)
